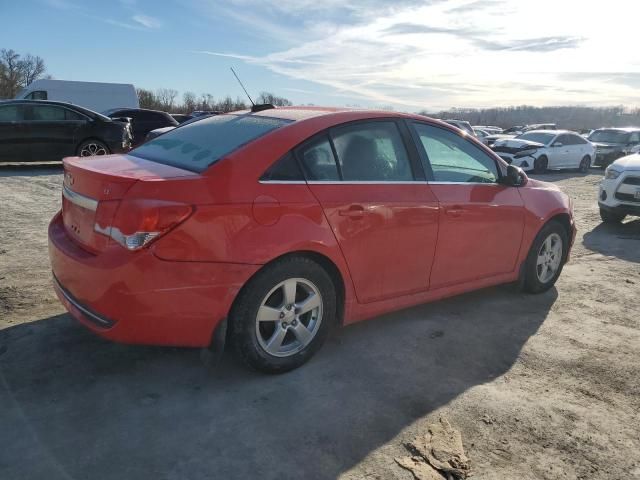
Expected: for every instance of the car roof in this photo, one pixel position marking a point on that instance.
(619, 129)
(297, 114)
(53, 102)
(554, 132)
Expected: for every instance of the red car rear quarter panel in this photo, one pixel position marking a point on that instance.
(151, 301)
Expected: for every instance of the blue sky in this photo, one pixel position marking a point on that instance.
(405, 54)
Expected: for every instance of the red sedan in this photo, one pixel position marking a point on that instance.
(281, 223)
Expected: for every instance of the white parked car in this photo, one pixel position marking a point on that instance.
(619, 193)
(539, 150)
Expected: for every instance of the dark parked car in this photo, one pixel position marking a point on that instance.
(40, 130)
(613, 143)
(143, 121)
(181, 117)
(159, 131)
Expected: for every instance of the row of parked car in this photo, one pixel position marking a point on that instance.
(41, 130)
(543, 146)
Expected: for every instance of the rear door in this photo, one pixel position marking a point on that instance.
(53, 131)
(481, 221)
(14, 139)
(367, 177)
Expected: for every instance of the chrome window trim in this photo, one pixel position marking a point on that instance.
(79, 200)
(463, 183)
(366, 182)
(279, 182)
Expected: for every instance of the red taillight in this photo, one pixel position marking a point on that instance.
(138, 222)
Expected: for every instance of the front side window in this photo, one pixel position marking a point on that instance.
(372, 151)
(454, 159)
(198, 145)
(47, 113)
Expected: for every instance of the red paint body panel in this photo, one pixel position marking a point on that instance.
(408, 243)
(387, 233)
(480, 232)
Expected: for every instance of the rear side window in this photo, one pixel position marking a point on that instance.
(455, 159)
(10, 113)
(284, 170)
(198, 145)
(71, 115)
(372, 151)
(318, 160)
(47, 113)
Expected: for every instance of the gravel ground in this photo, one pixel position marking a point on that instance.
(541, 387)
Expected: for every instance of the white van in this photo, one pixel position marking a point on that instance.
(95, 96)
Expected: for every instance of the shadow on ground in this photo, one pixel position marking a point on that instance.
(619, 240)
(74, 406)
(30, 169)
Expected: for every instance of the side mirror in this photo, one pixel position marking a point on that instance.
(515, 177)
(558, 144)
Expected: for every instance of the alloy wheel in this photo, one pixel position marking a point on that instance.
(549, 258)
(90, 149)
(289, 317)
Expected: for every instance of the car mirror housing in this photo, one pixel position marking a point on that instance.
(515, 177)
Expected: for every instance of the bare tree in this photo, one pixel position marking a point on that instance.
(10, 80)
(188, 102)
(31, 68)
(166, 98)
(266, 97)
(146, 98)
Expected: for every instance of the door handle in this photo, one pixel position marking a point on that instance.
(455, 211)
(354, 211)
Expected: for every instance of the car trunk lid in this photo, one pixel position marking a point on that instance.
(93, 188)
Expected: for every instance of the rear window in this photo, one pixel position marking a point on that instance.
(196, 146)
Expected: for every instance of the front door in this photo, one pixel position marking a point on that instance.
(53, 130)
(382, 213)
(14, 139)
(481, 221)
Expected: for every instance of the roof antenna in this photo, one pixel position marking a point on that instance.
(254, 107)
(245, 90)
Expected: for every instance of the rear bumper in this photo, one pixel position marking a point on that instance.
(138, 298)
(621, 208)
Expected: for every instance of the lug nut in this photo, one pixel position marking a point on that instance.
(284, 324)
(294, 323)
(281, 314)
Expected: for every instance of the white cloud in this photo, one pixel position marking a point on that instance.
(437, 54)
(147, 21)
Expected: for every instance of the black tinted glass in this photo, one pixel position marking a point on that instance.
(198, 145)
(285, 169)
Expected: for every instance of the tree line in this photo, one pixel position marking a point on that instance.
(168, 100)
(567, 117)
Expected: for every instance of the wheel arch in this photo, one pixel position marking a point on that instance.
(325, 262)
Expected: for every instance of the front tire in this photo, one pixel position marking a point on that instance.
(540, 165)
(283, 315)
(611, 217)
(546, 258)
(90, 148)
(585, 163)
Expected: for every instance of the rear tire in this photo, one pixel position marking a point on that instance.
(540, 165)
(272, 328)
(546, 258)
(611, 217)
(91, 148)
(585, 163)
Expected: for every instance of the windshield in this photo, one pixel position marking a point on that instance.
(198, 145)
(609, 136)
(538, 137)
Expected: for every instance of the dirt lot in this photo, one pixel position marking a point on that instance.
(541, 387)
